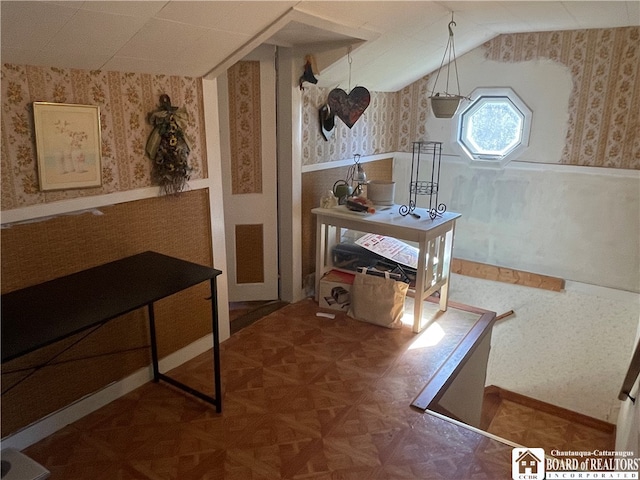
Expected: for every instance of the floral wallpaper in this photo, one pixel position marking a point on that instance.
(374, 132)
(604, 117)
(245, 127)
(603, 110)
(413, 104)
(602, 131)
(125, 99)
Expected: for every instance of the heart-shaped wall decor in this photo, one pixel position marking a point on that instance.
(349, 107)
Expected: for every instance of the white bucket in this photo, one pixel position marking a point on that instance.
(381, 192)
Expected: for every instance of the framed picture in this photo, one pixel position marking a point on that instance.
(68, 145)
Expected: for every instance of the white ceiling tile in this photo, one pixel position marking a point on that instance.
(145, 9)
(603, 14)
(213, 47)
(242, 17)
(162, 40)
(633, 12)
(479, 13)
(298, 34)
(436, 28)
(31, 25)
(21, 56)
(538, 16)
(354, 14)
(65, 58)
(403, 17)
(94, 31)
(366, 60)
(193, 37)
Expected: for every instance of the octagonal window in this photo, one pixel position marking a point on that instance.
(495, 126)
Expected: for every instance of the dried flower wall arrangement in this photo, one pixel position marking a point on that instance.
(168, 147)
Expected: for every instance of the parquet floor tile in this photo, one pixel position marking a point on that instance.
(304, 397)
(531, 427)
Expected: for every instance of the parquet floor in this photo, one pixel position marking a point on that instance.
(305, 397)
(243, 314)
(529, 426)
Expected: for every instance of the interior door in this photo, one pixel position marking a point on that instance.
(250, 176)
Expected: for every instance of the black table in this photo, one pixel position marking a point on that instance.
(42, 314)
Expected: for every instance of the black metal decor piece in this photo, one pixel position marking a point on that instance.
(425, 183)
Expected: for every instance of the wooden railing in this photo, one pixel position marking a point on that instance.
(632, 375)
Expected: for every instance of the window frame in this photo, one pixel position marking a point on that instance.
(483, 94)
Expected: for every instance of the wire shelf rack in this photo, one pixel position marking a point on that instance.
(426, 182)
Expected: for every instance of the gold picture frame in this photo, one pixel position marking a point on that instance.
(68, 145)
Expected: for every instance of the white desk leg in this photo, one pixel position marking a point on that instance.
(418, 299)
(444, 296)
(446, 270)
(321, 246)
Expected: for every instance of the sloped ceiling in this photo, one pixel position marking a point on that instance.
(393, 43)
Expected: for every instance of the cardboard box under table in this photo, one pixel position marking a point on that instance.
(335, 290)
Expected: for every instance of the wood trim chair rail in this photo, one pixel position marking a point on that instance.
(506, 275)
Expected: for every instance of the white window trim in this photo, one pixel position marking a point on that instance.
(517, 151)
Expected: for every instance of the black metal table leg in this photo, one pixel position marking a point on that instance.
(154, 343)
(157, 376)
(216, 345)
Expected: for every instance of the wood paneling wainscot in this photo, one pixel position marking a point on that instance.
(42, 250)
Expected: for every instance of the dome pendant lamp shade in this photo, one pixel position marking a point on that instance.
(445, 104)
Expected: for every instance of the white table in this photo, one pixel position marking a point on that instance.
(434, 239)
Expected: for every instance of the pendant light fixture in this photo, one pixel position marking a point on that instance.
(445, 104)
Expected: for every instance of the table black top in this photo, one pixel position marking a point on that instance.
(45, 313)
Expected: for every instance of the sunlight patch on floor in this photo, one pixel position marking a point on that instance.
(430, 337)
(407, 316)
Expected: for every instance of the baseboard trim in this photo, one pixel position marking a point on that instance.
(570, 415)
(55, 421)
(506, 275)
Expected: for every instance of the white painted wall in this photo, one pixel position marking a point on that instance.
(577, 223)
(581, 224)
(289, 133)
(570, 349)
(545, 86)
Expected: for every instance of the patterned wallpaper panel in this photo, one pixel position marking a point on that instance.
(375, 131)
(245, 128)
(413, 104)
(604, 117)
(604, 108)
(124, 99)
(603, 111)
